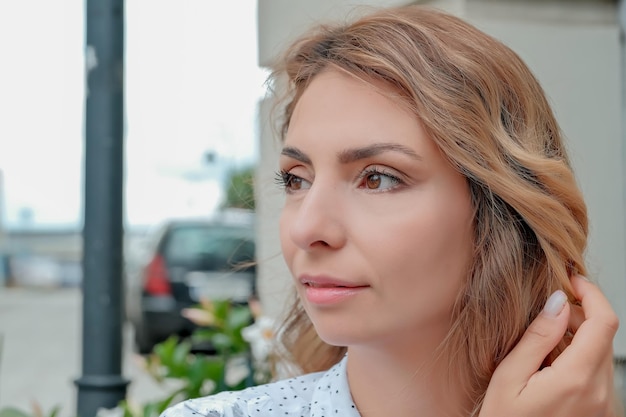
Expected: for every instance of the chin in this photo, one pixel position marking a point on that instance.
(341, 336)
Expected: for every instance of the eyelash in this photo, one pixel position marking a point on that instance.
(283, 178)
(382, 172)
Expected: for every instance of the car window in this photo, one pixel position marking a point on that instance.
(218, 248)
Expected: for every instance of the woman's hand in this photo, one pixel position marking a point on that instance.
(579, 383)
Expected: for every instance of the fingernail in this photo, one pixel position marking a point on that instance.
(555, 304)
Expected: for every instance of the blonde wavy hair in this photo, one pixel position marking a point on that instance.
(487, 113)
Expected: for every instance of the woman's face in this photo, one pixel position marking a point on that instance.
(377, 225)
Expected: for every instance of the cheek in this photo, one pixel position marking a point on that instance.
(286, 243)
(428, 249)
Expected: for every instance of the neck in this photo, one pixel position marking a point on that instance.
(392, 382)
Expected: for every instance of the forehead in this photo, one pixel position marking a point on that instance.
(341, 109)
(335, 94)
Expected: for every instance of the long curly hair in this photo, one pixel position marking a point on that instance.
(489, 116)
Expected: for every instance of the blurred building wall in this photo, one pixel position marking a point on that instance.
(574, 49)
(3, 258)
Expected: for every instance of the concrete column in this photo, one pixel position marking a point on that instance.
(620, 366)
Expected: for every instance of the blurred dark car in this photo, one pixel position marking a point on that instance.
(189, 260)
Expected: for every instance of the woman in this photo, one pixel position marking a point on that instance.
(434, 231)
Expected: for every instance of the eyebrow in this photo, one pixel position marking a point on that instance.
(356, 154)
(352, 155)
(296, 154)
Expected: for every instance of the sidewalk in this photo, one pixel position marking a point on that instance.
(40, 351)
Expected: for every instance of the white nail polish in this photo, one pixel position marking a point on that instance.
(555, 303)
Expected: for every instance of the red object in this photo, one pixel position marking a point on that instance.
(156, 281)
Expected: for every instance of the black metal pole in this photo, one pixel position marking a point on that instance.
(101, 384)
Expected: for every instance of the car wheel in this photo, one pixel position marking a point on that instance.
(144, 343)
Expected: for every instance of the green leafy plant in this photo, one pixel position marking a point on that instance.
(240, 189)
(231, 366)
(197, 373)
(37, 412)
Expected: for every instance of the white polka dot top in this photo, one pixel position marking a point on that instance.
(321, 394)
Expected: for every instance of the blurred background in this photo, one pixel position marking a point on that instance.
(196, 123)
(192, 86)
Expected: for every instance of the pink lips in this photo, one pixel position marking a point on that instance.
(324, 290)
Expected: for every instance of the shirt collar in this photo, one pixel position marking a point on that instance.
(332, 394)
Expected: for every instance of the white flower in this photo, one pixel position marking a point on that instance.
(260, 335)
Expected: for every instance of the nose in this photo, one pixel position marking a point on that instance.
(317, 221)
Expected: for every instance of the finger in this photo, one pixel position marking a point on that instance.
(594, 303)
(600, 319)
(541, 337)
(576, 317)
(593, 341)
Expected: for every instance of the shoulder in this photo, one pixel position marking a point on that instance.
(286, 397)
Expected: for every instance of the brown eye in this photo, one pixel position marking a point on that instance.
(290, 182)
(377, 181)
(294, 183)
(373, 181)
